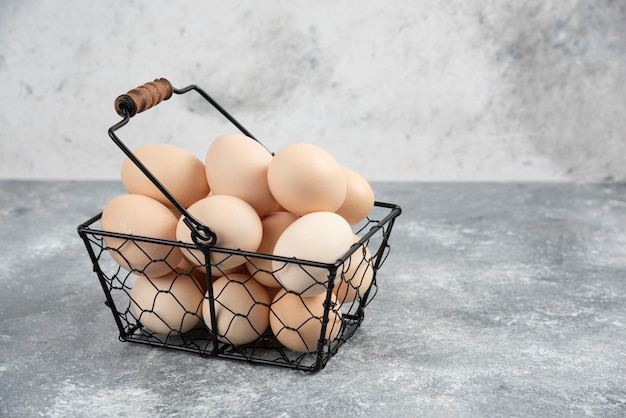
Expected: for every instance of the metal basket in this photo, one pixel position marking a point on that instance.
(337, 322)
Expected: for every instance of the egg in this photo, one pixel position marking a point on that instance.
(235, 223)
(185, 267)
(236, 165)
(178, 170)
(167, 304)
(297, 321)
(138, 215)
(241, 309)
(319, 236)
(357, 276)
(219, 272)
(305, 178)
(359, 199)
(274, 225)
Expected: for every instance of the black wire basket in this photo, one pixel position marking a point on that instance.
(349, 283)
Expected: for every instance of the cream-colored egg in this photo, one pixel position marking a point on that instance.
(273, 291)
(197, 272)
(305, 178)
(319, 236)
(274, 225)
(241, 309)
(236, 165)
(180, 172)
(297, 321)
(359, 199)
(358, 274)
(167, 304)
(138, 215)
(219, 272)
(235, 223)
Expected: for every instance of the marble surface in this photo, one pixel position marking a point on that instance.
(496, 300)
(402, 90)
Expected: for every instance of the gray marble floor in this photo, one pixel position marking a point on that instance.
(496, 300)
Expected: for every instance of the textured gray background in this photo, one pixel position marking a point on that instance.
(397, 89)
(496, 300)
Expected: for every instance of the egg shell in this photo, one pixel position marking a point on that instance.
(219, 272)
(305, 178)
(322, 237)
(197, 272)
(186, 266)
(178, 170)
(167, 304)
(241, 309)
(236, 165)
(359, 199)
(235, 223)
(357, 275)
(274, 225)
(138, 215)
(297, 321)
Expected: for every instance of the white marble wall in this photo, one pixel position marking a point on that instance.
(397, 89)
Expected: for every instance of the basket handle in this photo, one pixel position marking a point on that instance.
(143, 97)
(149, 95)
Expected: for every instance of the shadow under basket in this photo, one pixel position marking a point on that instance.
(205, 327)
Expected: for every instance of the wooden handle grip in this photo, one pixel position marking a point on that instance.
(143, 97)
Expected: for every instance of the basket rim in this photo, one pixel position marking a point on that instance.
(395, 210)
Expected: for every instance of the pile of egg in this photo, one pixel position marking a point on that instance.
(298, 203)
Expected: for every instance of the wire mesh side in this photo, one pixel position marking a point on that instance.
(351, 286)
